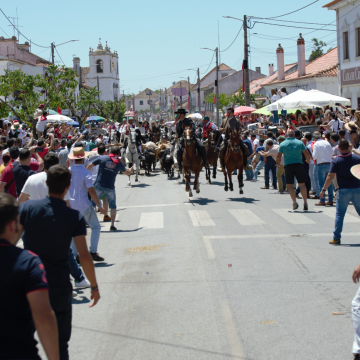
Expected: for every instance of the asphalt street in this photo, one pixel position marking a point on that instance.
(228, 276)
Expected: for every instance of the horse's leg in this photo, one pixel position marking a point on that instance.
(231, 186)
(127, 165)
(226, 188)
(137, 170)
(187, 177)
(197, 182)
(214, 169)
(240, 179)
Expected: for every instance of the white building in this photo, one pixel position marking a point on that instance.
(143, 101)
(348, 42)
(103, 72)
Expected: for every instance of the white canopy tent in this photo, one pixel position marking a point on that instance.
(302, 99)
(58, 118)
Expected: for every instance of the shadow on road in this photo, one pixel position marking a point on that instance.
(121, 231)
(350, 245)
(202, 201)
(102, 265)
(243, 199)
(82, 300)
(135, 185)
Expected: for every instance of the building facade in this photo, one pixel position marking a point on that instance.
(348, 42)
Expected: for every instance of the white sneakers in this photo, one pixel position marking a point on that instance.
(82, 284)
(253, 180)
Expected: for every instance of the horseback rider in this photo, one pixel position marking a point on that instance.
(179, 129)
(139, 141)
(234, 124)
(164, 128)
(154, 129)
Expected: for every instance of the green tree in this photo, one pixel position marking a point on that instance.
(19, 95)
(238, 98)
(317, 47)
(111, 110)
(224, 101)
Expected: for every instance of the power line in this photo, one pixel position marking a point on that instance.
(296, 22)
(21, 32)
(59, 56)
(210, 62)
(273, 17)
(4, 32)
(233, 40)
(297, 27)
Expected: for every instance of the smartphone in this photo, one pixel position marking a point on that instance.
(39, 149)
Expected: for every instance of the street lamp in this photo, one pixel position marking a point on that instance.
(216, 84)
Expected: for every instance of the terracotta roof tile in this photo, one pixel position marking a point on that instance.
(324, 66)
(331, 3)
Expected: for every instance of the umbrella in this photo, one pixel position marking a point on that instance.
(302, 99)
(58, 118)
(195, 116)
(73, 123)
(52, 112)
(263, 111)
(243, 110)
(95, 118)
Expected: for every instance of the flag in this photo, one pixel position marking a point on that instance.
(243, 74)
(188, 103)
(214, 102)
(59, 110)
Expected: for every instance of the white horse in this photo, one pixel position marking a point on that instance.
(132, 155)
(113, 137)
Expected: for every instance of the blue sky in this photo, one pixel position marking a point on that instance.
(158, 40)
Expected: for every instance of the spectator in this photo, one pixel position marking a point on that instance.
(41, 144)
(92, 143)
(346, 168)
(50, 214)
(6, 161)
(63, 154)
(41, 123)
(261, 162)
(62, 146)
(334, 139)
(109, 167)
(293, 150)
(23, 170)
(249, 173)
(322, 153)
(24, 301)
(81, 186)
(7, 183)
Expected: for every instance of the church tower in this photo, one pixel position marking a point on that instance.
(104, 72)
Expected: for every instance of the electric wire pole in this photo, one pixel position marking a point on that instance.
(217, 88)
(189, 98)
(246, 65)
(198, 90)
(52, 53)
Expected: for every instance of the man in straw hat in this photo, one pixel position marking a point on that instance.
(346, 167)
(179, 129)
(81, 186)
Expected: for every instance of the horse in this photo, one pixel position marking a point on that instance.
(163, 134)
(132, 155)
(167, 162)
(113, 137)
(211, 155)
(191, 161)
(234, 161)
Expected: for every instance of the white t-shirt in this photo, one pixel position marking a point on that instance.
(283, 94)
(255, 142)
(40, 126)
(336, 125)
(275, 98)
(36, 187)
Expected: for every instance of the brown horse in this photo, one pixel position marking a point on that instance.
(234, 161)
(191, 161)
(212, 155)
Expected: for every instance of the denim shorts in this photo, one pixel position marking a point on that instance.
(107, 193)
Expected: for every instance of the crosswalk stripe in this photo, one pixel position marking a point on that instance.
(200, 218)
(348, 218)
(152, 220)
(293, 217)
(246, 217)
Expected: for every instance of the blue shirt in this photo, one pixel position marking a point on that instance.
(292, 150)
(21, 273)
(260, 148)
(341, 165)
(49, 226)
(107, 171)
(247, 142)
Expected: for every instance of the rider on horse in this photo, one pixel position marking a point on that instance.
(209, 126)
(234, 124)
(164, 127)
(139, 141)
(179, 129)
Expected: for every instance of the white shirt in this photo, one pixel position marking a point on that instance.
(40, 126)
(36, 187)
(336, 125)
(275, 98)
(142, 130)
(255, 143)
(283, 94)
(213, 126)
(322, 152)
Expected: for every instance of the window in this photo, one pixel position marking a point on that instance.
(99, 66)
(141, 102)
(357, 40)
(358, 102)
(346, 44)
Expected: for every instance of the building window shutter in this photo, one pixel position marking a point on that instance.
(346, 44)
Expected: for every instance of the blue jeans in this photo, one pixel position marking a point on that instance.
(270, 166)
(75, 270)
(311, 174)
(249, 173)
(275, 117)
(283, 114)
(316, 179)
(323, 171)
(107, 193)
(259, 166)
(93, 221)
(344, 196)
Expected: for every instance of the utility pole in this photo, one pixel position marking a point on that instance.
(217, 88)
(52, 53)
(198, 90)
(189, 95)
(160, 101)
(180, 96)
(246, 65)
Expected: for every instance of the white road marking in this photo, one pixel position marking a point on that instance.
(200, 218)
(234, 341)
(152, 220)
(140, 206)
(209, 248)
(348, 218)
(246, 217)
(293, 217)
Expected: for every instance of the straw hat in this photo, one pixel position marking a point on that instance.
(350, 125)
(355, 170)
(78, 154)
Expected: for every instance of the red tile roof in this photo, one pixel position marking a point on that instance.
(221, 67)
(259, 83)
(331, 3)
(324, 66)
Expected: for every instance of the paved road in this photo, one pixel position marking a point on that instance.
(236, 277)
